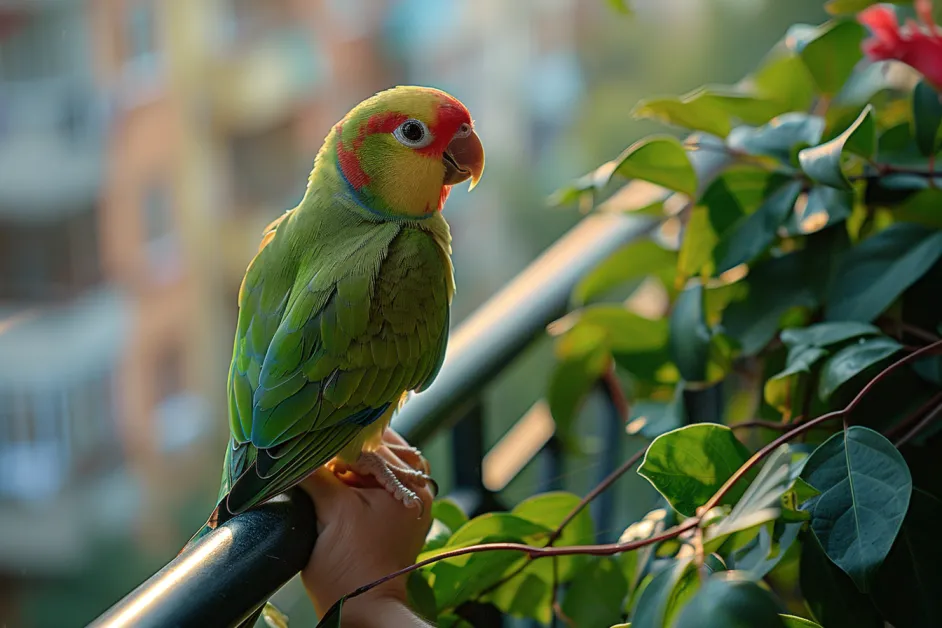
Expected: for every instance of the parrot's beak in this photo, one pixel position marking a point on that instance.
(464, 159)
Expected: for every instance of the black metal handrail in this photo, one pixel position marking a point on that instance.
(228, 574)
(225, 576)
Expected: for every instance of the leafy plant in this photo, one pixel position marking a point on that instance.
(797, 236)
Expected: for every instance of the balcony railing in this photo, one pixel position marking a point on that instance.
(225, 577)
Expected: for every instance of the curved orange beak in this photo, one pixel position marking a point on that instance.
(464, 159)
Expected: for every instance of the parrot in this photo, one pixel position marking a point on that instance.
(345, 308)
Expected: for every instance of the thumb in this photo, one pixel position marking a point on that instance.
(325, 490)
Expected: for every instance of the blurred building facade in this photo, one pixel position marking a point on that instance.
(144, 144)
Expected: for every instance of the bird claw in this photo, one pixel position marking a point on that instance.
(388, 476)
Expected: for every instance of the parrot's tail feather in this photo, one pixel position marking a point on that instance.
(219, 516)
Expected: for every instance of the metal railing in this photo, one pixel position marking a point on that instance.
(225, 576)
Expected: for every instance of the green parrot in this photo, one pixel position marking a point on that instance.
(345, 308)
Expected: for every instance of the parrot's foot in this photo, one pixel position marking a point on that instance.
(388, 476)
(411, 456)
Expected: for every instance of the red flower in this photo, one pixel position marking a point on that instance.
(918, 46)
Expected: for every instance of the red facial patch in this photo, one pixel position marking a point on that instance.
(350, 163)
(451, 115)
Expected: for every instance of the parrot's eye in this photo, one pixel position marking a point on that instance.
(413, 133)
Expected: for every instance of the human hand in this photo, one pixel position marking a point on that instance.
(363, 535)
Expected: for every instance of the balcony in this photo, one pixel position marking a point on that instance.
(50, 129)
(59, 447)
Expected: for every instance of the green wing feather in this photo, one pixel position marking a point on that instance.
(323, 352)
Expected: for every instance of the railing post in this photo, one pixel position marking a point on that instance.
(611, 426)
(467, 452)
(552, 465)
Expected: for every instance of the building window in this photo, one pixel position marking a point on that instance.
(51, 260)
(51, 437)
(161, 244)
(32, 46)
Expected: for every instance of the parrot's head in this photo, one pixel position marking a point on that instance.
(402, 150)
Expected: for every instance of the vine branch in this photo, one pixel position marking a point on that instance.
(609, 549)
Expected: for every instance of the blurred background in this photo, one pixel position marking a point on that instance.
(144, 144)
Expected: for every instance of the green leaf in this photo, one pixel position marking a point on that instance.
(549, 510)
(782, 388)
(449, 513)
(865, 489)
(761, 555)
(922, 208)
(774, 287)
(689, 112)
(696, 248)
(726, 201)
(653, 418)
(421, 597)
(728, 600)
(751, 236)
(826, 334)
(785, 79)
(661, 160)
(493, 524)
(793, 621)
(450, 620)
(779, 137)
(749, 107)
(709, 109)
(635, 564)
(830, 52)
(797, 494)
(596, 594)
(825, 162)
(570, 382)
(688, 465)
(838, 7)
(632, 262)
(910, 579)
(653, 605)
(620, 6)
(689, 339)
(818, 209)
(927, 118)
(854, 359)
(760, 503)
(830, 594)
(525, 595)
(871, 275)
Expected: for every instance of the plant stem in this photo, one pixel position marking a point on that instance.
(595, 492)
(757, 457)
(615, 393)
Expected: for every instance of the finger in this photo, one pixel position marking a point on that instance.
(393, 437)
(323, 487)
